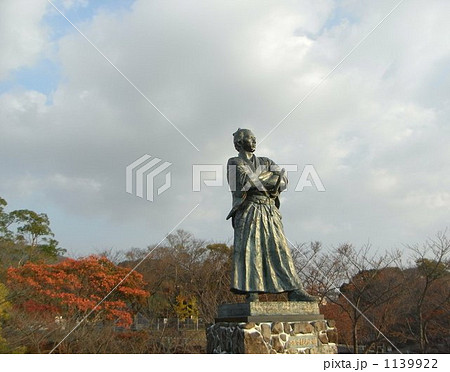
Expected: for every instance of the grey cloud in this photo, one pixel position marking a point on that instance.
(371, 130)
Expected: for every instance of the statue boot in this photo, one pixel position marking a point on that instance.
(252, 297)
(299, 295)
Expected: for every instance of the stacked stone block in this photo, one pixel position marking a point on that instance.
(303, 337)
(271, 328)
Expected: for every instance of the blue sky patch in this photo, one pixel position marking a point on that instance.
(79, 14)
(42, 77)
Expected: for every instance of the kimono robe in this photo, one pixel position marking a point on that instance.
(262, 261)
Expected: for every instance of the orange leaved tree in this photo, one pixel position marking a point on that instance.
(71, 289)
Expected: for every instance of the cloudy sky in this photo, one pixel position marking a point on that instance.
(376, 130)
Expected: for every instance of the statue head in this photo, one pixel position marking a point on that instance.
(244, 140)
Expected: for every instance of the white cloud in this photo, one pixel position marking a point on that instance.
(22, 35)
(423, 200)
(68, 4)
(68, 184)
(382, 181)
(375, 131)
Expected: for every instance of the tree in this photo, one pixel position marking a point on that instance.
(25, 236)
(211, 280)
(186, 307)
(429, 292)
(34, 229)
(4, 310)
(320, 271)
(367, 283)
(5, 221)
(73, 288)
(185, 266)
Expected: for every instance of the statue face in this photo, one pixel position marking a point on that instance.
(249, 142)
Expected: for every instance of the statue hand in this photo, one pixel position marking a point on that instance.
(270, 182)
(264, 176)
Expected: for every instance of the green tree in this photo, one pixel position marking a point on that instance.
(4, 308)
(186, 307)
(34, 229)
(5, 221)
(25, 236)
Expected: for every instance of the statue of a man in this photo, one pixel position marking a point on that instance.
(262, 262)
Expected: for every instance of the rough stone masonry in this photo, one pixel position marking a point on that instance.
(301, 337)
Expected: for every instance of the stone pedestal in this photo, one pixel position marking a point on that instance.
(271, 327)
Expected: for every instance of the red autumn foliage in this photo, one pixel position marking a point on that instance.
(72, 288)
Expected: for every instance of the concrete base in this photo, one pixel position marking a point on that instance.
(269, 311)
(271, 328)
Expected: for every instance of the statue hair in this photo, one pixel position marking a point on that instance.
(238, 137)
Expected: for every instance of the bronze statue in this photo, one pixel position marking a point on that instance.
(262, 262)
